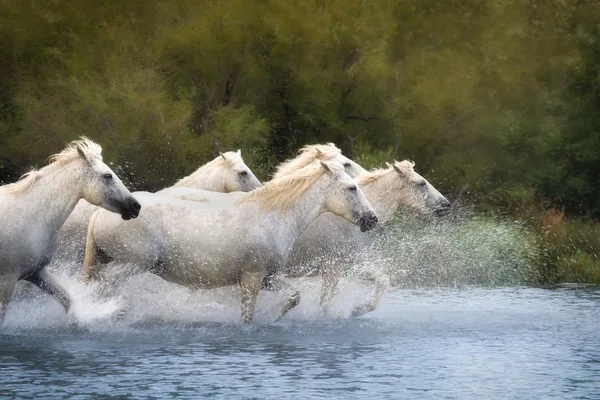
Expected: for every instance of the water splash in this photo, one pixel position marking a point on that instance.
(31, 308)
(122, 302)
(458, 251)
(453, 252)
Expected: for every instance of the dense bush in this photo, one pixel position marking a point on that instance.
(496, 101)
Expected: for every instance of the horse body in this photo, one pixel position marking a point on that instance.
(203, 249)
(198, 249)
(33, 210)
(226, 173)
(201, 195)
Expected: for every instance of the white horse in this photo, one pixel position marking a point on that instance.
(33, 209)
(231, 246)
(226, 173)
(330, 245)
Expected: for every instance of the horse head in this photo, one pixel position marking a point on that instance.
(100, 185)
(345, 199)
(236, 175)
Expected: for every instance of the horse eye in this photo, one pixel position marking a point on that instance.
(243, 173)
(422, 183)
(352, 188)
(347, 165)
(108, 177)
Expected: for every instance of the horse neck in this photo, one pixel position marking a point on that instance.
(53, 197)
(204, 178)
(290, 224)
(384, 202)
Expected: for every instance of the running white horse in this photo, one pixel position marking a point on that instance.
(330, 245)
(232, 246)
(226, 173)
(33, 209)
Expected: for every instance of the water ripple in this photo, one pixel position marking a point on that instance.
(514, 343)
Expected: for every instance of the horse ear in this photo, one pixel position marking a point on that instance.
(398, 170)
(82, 154)
(319, 152)
(326, 168)
(239, 152)
(223, 155)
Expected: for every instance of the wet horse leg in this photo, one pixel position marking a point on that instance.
(7, 287)
(292, 301)
(274, 283)
(250, 284)
(382, 282)
(45, 281)
(331, 280)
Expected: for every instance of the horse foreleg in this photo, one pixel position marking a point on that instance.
(45, 281)
(274, 283)
(250, 284)
(292, 301)
(7, 287)
(331, 280)
(382, 282)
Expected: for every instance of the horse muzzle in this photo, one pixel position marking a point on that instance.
(443, 209)
(367, 221)
(254, 185)
(132, 210)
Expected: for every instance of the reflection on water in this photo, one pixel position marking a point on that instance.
(441, 344)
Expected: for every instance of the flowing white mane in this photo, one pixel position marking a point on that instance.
(56, 161)
(284, 191)
(405, 166)
(307, 155)
(227, 160)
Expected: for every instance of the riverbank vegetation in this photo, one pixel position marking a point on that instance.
(498, 102)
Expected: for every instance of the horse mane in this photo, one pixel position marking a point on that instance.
(56, 161)
(284, 191)
(231, 159)
(405, 166)
(307, 155)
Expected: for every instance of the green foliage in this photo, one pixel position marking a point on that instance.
(574, 183)
(497, 102)
(570, 249)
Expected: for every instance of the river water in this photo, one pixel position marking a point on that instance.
(469, 343)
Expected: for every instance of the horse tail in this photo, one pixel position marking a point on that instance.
(91, 250)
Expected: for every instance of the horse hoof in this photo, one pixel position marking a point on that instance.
(120, 313)
(362, 310)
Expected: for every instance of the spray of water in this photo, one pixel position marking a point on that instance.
(459, 251)
(453, 252)
(125, 300)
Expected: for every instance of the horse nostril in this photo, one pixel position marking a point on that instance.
(367, 222)
(372, 219)
(136, 206)
(443, 209)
